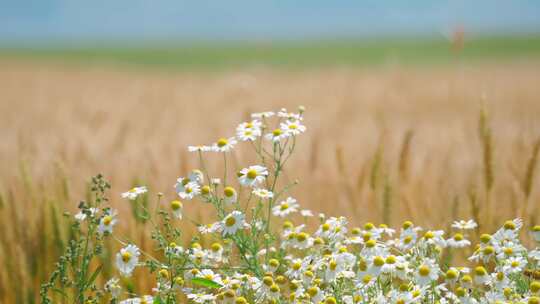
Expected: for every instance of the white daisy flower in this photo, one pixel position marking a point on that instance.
(427, 273)
(199, 148)
(514, 265)
(292, 127)
(252, 175)
(229, 195)
(107, 222)
(141, 300)
(481, 276)
(458, 241)
(127, 259)
(201, 298)
(263, 193)
(113, 287)
(177, 208)
(196, 176)
(285, 207)
(209, 228)
(536, 233)
(224, 144)
(277, 135)
(134, 193)
(464, 225)
(266, 114)
(189, 191)
(247, 135)
(306, 213)
(249, 131)
(81, 216)
(283, 113)
(232, 222)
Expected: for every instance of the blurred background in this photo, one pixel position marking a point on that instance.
(422, 110)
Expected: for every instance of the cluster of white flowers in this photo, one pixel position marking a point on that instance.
(260, 253)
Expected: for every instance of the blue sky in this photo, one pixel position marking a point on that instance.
(41, 21)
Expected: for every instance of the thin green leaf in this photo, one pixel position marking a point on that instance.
(205, 282)
(94, 275)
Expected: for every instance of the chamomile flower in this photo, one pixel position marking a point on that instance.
(266, 114)
(514, 265)
(127, 259)
(283, 113)
(306, 213)
(263, 193)
(224, 144)
(249, 131)
(201, 297)
(286, 207)
(232, 222)
(464, 225)
(189, 191)
(141, 300)
(81, 216)
(177, 207)
(536, 233)
(107, 222)
(252, 175)
(292, 127)
(247, 135)
(229, 195)
(209, 228)
(458, 241)
(196, 176)
(481, 276)
(199, 148)
(277, 135)
(113, 287)
(427, 272)
(134, 193)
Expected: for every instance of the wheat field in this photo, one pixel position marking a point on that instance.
(388, 143)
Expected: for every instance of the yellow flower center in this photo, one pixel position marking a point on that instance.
(209, 276)
(514, 264)
(407, 240)
(509, 225)
(429, 235)
(302, 236)
(423, 270)
(107, 220)
(228, 191)
(296, 266)
(175, 205)
(480, 271)
(126, 256)
(333, 265)
(489, 250)
(205, 189)
(277, 132)
(293, 126)
(390, 259)
(371, 243)
(216, 247)
(451, 274)
(284, 206)
(249, 125)
(407, 224)
(222, 142)
(378, 261)
(230, 221)
(458, 237)
(252, 174)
